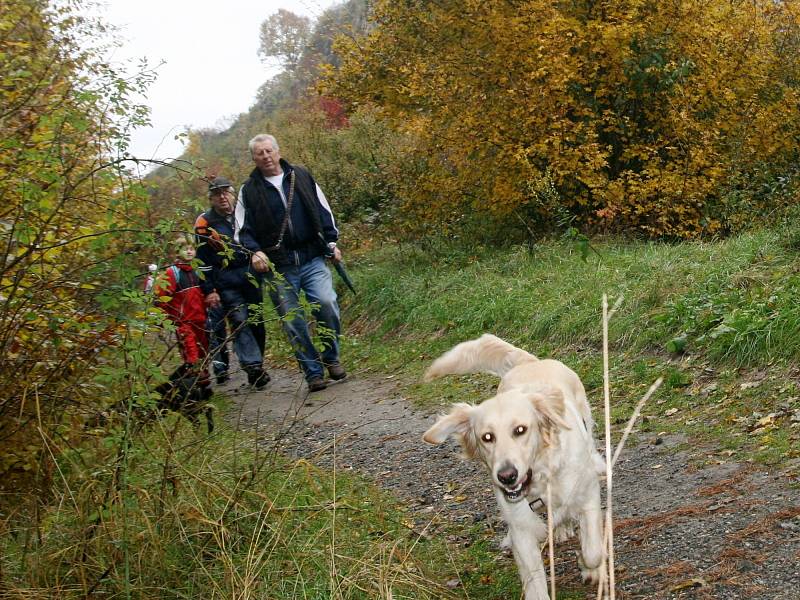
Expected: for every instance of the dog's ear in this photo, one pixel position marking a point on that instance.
(548, 402)
(456, 423)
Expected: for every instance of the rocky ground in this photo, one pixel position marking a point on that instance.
(725, 531)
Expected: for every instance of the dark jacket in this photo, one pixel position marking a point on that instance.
(226, 264)
(310, 227)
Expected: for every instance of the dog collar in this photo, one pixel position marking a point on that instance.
(536, 504)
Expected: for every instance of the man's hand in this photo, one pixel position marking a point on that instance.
(260, 262)
(213, 300)
(336, 257)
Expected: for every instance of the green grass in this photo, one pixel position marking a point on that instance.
(213, 517)
(733, 305)
(550, 297)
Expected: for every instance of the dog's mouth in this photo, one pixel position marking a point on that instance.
(517, 492)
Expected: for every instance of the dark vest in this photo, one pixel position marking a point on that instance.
(260, 200)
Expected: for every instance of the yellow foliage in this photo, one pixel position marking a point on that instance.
(645, 114)
(64, 208)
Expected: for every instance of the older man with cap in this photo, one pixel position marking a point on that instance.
(229, 281)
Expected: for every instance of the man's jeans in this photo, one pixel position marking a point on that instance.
(218, 340)
(313, 278)
(248, 336)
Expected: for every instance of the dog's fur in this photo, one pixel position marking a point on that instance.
(537, 431)
(184, 393)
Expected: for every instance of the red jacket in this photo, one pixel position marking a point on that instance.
(186, 302)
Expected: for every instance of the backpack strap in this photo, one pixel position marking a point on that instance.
(184, 279)
(176, 274)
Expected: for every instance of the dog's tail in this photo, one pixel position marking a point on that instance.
(487, 354)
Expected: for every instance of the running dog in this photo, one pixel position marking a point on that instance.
(536, 432)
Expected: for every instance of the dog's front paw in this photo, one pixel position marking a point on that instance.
(590, 575)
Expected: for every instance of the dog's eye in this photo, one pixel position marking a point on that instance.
(520, 430)
(488, 437)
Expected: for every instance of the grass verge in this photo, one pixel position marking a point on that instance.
(719, 320)
(180, 514)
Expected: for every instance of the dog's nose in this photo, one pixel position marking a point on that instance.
(507, 476)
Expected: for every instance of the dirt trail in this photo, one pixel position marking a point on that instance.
(727, 531)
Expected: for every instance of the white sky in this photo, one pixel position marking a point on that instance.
(212, 70)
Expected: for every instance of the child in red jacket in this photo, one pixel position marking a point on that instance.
(178, 294)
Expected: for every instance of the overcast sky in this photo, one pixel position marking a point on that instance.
(211, 71)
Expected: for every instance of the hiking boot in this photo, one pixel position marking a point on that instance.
(258, 378)
(223, 378)
(316, 384)
(219, 367)
(336, 371)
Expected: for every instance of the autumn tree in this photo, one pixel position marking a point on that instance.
(662, 117)
(69, 223)
(284, 36)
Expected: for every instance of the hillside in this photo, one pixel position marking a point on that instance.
(713, 460)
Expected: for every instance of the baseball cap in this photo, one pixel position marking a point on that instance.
(219, 183)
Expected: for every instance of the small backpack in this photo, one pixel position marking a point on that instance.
(184, 279)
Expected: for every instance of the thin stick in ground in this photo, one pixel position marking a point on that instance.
(609, 530)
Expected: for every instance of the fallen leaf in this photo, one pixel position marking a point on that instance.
(764, 423)
(768, 420)
(670, 412)
(750, 384)
(695, 582)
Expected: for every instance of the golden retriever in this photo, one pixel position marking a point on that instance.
(537, 431)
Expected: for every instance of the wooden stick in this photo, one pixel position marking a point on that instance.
(609, 477)
(550, 545)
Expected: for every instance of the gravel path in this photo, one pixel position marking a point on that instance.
(726, 531)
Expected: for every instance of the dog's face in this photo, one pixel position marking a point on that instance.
(508, 433)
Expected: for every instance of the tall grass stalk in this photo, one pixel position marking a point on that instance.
(609, 529)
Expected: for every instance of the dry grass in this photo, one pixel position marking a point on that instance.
(212, 517)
